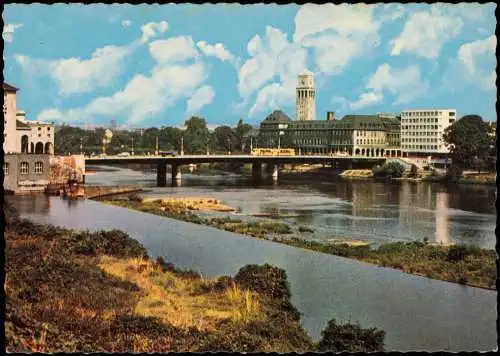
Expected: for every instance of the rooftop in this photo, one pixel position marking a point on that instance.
(8, 87)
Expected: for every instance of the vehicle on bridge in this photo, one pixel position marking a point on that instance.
(168, 153)
(273, 152)
(123, 154)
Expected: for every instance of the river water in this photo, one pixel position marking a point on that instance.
(417, 313)
(376, 212)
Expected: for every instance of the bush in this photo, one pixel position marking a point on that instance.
(351, 338)
(391, 169)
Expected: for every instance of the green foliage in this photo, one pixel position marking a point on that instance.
(469, 141)
(350, 338)
(390, 169)
(196, 136)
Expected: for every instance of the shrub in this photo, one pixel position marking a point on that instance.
(391, 169)
(351, 338)
(457, 253)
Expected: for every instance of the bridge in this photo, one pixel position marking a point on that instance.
(176, 162)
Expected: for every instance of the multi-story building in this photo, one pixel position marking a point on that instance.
(422, 131)
(363, 135)
(22, 135)
(306, 98)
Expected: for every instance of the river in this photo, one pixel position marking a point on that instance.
(417, 313)
(376, 212)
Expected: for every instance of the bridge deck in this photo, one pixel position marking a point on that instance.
(187, 159)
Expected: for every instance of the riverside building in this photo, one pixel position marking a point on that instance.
(20, 134)
(422, 131)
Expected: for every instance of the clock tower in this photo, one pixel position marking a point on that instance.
(306, 98)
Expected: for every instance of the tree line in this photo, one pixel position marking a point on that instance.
(196, 139)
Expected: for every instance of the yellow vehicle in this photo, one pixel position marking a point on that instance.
(273, 152)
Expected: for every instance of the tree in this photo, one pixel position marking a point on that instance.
(225, 139)
(196, 135)
(350, 338)
(241, 131)
(469, 141)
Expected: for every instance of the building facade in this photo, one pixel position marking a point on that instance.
(422, 131)
(20, 134)
(305, 98)
(9, 119)
(356, 135)
(26, 172)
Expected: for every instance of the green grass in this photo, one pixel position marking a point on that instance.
(461, 264)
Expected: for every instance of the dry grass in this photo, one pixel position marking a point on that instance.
(192, 203)
(182, 302)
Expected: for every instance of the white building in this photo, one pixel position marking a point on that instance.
(306, 98)
(422, 131)
(22, 135)
(9, 119)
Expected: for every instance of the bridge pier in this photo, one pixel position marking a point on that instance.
(176, 174)
(275, 172)
(256, 171)
(161, 175)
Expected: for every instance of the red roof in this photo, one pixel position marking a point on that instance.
(8, 87)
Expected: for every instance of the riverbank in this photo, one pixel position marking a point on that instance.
(457, 264)
(128, 303)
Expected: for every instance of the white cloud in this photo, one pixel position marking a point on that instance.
(218, 50)
(175, 49)
(77, 75)
(344, 19)
(126, 23)
(367, 99)
(425, 32)
(334, 34)
(152, 29)
(203, 96)
(406, 84)
(8, 31)
(479, 61)
(143, 96)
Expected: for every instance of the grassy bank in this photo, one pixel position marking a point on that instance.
(462, 264)
(487, 179)
(179, 210)
(467, 265)
(73, 291)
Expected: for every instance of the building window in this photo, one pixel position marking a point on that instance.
(5, 169)
(24, 168)
(38, 167)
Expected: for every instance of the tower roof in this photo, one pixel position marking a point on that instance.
(278, 116)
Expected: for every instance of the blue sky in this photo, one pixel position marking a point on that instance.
(153, 65)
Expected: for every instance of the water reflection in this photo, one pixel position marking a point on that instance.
(442, 223)
(373, 211)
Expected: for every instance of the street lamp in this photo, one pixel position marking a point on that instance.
(182, 145)
(156, 151)
(229, 145)
(81, 145)
(132, 153)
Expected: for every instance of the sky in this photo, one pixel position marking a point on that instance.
(154, 65)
